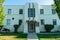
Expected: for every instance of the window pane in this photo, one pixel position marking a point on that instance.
(42, 22)
(20, 21)
(53, 11)
(8, 21)
(9, 11)
(41, 11)
(54, 21)
(31, 12)
(20, 11)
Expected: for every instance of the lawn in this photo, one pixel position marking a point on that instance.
(49, 39)
(13, 36)
(48, 36)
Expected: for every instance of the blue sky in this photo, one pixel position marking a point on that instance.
(22, 2)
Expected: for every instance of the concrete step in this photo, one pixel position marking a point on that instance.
(32, 36)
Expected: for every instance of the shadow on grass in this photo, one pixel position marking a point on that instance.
(48, 35)
(17, 35)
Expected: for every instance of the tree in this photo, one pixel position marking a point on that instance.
(57, 3)
(49, 27)
(54, 6)
(2, 15)
(17, 26)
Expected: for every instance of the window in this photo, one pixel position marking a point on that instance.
(41, 11)
(53, 11)
(9, 11)
(8, 21)
(54, 21)
(12, 18)
(20, 22)
(20, 11)
(42, 22)
(37, 24)
(31, 12)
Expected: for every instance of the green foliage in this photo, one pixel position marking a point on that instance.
(48, 27)
(57, 2)
(53, 6)
(1, 27)
(16, 28)
(2, 15)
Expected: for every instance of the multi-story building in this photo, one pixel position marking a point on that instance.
(31, 17)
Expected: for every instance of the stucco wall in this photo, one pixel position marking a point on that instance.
(47, 16)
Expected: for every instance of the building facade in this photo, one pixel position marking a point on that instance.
(30, 17)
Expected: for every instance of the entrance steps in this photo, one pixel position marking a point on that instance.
(32, 36)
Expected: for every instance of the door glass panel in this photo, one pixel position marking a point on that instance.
(31, 26)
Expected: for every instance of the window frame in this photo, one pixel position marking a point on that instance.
(9, 11)
(53, 11)
(42, 22)
(20, 11)
(41, 11)
(8, 21)
(54, 22)
(31, 12)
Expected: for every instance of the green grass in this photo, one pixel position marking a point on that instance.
(48, 36)
(13, 36)
(49, 39)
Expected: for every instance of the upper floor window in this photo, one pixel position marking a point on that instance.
(9, 11)
(31, 12)
(54, 21)
(41, 11)
(20, 11)
(8, 21)
(53, 11)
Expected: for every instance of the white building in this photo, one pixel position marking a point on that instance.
(31, 16)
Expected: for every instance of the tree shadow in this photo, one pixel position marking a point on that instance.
(17, 35)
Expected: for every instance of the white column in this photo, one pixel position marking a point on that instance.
(37, 29)
(25, 28)
(42, 28)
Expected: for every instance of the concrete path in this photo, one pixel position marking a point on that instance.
(32, 36)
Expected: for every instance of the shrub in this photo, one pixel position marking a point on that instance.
(1, 27)
(6, 30)
(16, 28)
(49, 27)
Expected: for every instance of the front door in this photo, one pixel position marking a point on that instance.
(31, 27)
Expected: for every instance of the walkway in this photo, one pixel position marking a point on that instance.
(32, 36)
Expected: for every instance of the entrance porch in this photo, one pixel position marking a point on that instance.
(31, 27)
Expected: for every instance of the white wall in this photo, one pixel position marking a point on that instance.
(47, 16)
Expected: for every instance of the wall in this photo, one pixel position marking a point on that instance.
(47, 16)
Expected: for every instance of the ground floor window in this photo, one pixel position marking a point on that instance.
(20, 21)
(54, 22)
(42, 21)
(8, 22)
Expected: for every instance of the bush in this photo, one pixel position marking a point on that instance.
(49, 27)
(16, 28)
(1, 27)
(6, 30)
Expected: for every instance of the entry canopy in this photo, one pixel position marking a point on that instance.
(33, 21)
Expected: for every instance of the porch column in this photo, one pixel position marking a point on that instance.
(37, 29)
(25, 28)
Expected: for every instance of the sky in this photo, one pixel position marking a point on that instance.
(22, 2)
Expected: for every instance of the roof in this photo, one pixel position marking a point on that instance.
(22, 2)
